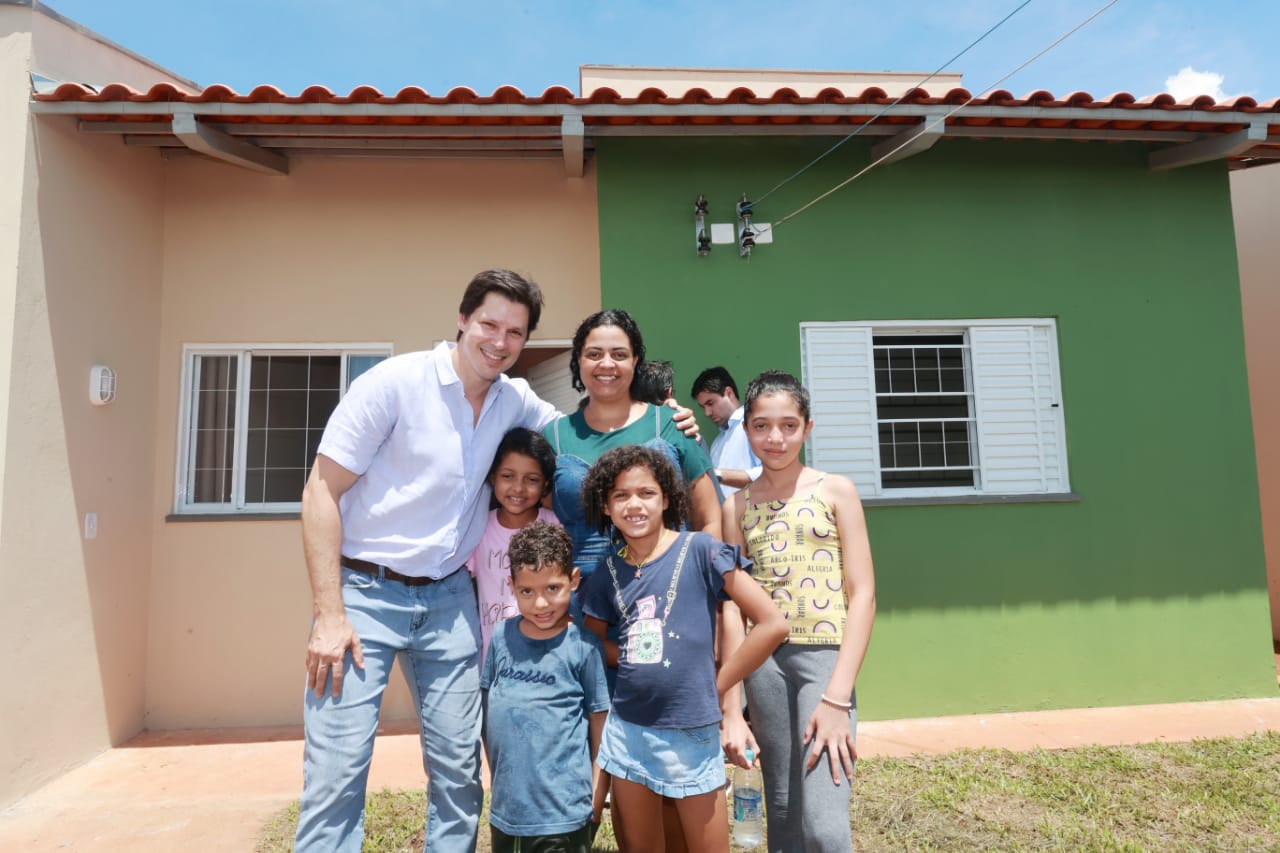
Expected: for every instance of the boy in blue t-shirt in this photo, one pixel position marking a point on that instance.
(545, 703)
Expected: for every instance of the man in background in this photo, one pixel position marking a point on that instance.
(717, 394)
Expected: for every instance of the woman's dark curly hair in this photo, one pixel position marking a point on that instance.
(605, 472)
(612, 317)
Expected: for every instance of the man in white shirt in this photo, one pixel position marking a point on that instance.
(394, 505)
(717, 394)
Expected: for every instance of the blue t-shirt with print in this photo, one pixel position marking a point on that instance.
(666, 658)
(538, 696)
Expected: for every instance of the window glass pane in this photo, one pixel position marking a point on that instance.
(919, 406)
(319, 406)
(287, 414)
(259, 405)
(283, 485)
(286, 448)
(259, 371)
(288, 403)
(211, 485)
(255, 448)
(216, 372)
(285, 409)
(290, 371)
(326, 373)
(212, 429)
(925, 411)
(254, 485)
(358, 364)
(926, 479)
(215, 409)
(313, 444)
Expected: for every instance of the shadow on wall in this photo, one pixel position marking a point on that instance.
(100, 209)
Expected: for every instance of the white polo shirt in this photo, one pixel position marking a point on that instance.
(406, 428)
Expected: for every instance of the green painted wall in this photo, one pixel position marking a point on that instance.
(1151, 588)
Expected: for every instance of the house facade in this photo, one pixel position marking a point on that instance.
(1024, 344)
(1254, 195)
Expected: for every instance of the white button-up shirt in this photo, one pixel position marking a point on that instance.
(406, 428)
(731, 450)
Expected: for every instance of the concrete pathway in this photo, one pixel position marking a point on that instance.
(212, 791)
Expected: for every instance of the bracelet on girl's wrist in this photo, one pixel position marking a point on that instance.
(843, 706)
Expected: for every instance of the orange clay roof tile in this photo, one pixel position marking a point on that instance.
(696, 107)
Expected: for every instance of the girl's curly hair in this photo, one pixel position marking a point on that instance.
(606, 470)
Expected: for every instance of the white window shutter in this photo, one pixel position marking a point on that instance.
(552, 381)
(838, 370)
(1021, 441)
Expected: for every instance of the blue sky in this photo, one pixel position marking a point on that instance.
(1136, 46)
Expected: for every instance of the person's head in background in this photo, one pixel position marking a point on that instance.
(717, 394)
(654, 382)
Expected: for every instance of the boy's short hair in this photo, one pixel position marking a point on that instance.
(541, 546)
(653, 382)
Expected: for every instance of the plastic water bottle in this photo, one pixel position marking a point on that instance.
(748, 807)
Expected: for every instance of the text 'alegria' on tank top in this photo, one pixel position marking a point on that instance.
(796, 549)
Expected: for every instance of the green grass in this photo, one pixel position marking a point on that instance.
(1208, 795)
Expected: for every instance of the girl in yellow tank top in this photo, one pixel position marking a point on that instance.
(806, 534)
(796, 547)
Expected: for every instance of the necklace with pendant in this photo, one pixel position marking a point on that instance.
(672, 588)
(625, 553)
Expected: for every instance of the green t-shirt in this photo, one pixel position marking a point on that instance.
(571, 434)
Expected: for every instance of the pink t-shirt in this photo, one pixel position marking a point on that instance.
(491, 568)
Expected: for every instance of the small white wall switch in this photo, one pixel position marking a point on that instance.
(90, 525)
(764, 232)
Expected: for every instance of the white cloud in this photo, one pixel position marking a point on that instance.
(1189, 83)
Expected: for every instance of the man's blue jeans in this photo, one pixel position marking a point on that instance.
(435, 631)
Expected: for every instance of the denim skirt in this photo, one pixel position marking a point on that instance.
(670, 762)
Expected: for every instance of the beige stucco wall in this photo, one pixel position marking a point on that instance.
(1255, 198)
(73, 613)
(80, 222)
(341, 250)
(15, 60)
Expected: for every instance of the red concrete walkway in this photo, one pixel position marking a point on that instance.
(212, 791)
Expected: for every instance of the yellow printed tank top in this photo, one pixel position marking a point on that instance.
(796, 550)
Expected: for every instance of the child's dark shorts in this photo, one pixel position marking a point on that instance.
(578, 841)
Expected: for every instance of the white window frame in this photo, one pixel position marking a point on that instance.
(182, 503)
(1018, 444)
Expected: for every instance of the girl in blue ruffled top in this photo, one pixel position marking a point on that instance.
(661, 589)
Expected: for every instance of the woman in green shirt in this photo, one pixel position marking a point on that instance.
(607, 347)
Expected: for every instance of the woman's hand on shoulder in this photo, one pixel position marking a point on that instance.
(684, 419)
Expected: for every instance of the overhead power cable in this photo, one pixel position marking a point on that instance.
(896, 101)
(944, 117)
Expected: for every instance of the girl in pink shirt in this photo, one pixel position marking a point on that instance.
(521, 477)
